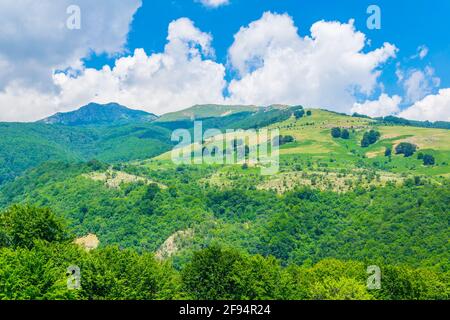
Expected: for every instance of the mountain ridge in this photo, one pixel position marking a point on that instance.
(99, 114)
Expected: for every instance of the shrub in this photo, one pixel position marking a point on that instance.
(345, 134)
(336, 132)
(428, 160)
(388, 152)
(406, 148)
(369, 138)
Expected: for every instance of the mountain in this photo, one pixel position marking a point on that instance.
(206, 111)
(334, 207)
(98, 114)
(27, 145)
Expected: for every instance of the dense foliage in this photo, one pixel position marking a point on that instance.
(370, 137)
(406, 224)
(336, 207)
(40, 272)
(406, 148)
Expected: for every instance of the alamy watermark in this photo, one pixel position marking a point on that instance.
(374, 280)
(259, 148)
(73, 21)
(73, 278)
(374, 20)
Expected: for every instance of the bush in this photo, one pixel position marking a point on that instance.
(428, 160)
(388, 152)
(345, 134)
(280, 140)
(369, 138)
(299, 114)
(406, 148)
(336, 132)
(22, 226)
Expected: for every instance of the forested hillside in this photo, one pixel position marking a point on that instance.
(36, 269)
(351, 192)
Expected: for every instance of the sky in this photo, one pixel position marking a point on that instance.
(166, 55)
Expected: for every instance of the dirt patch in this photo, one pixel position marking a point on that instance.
(173, 244)
(114, 178)
(338, 182)
(89, 242)
(374, 154)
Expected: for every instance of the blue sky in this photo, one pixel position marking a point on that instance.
(166, 55)
(407, 24)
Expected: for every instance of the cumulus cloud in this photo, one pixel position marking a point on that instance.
(273, 63)
(35, 41)
(418, 83)
(19, 103)
(213, 3)
(432, 108)
(383, 106)
(181, 76)
(326, 69)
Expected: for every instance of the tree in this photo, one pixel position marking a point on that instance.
(299, 114)
(336, 132)
(388, 152)
(286, 139)
(151, 191)
(22, 226)
(309, 113)
(369, 138)
(406, 148)
(428, 160)
(340, 289)
(280, 140)
(209, 276)
(365, 141)
(345, 134)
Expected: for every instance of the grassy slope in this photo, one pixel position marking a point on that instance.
(119, 216)
(313, 141)
(313, 138)
(205, 111)
(316, 159)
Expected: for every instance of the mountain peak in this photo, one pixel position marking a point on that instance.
(94, 113)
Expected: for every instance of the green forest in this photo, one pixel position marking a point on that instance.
(339, 204)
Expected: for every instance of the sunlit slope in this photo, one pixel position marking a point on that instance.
(313, 142)
(205, 111)
(313, 138)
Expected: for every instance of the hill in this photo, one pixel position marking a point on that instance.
(205, 111)
(27, 145)
(333, 199)
(97, 114)
(313, 149)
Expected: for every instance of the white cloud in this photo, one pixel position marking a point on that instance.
(35, 41)
(384, 106)
(181, 76)
(422, 52)
(418, 83)
(432, 107)
(18, 103)
(213, 3)
(276, 65)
